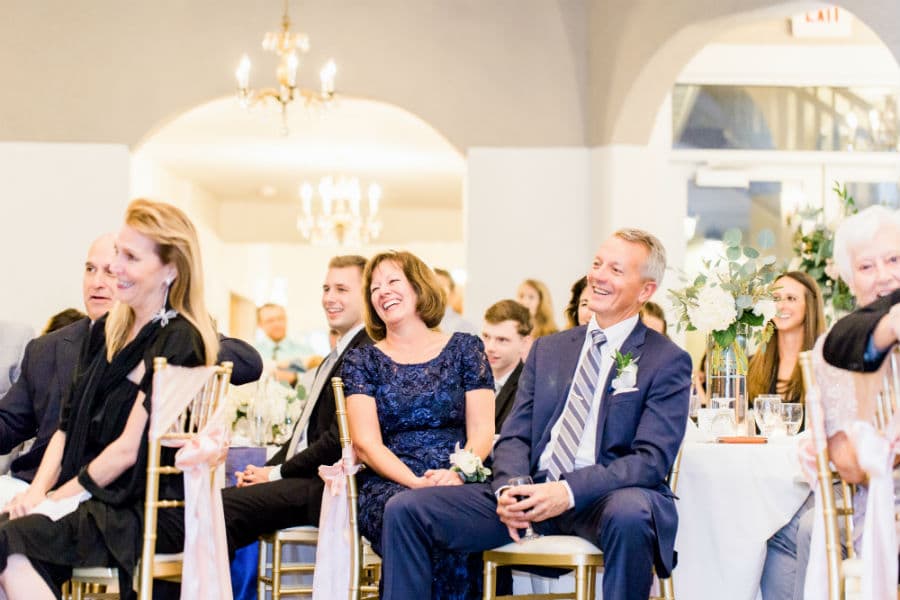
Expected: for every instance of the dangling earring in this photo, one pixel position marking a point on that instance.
(164, 315)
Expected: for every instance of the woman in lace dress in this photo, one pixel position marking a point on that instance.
(412, 397)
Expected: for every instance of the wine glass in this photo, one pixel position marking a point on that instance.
(792, 414)
(767, 410)
(513, 483)
(694, 402)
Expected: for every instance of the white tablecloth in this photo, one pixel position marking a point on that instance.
(732, 498)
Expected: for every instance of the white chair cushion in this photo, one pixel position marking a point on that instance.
(161, 558)
(551, 544)
(84, 573)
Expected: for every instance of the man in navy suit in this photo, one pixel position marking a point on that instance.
(597, 437)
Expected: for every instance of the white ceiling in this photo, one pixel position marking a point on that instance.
(233, 153)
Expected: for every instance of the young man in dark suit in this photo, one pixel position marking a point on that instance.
(507, 338)
(287, 491)
(599, 416)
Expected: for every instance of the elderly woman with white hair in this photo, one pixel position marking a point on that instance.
(867, 257)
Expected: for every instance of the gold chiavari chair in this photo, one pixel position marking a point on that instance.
(270, 574)
(563, 551)
(364, 564)
(164, 566)
(843, 574)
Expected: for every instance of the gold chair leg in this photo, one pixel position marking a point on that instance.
(592, 582)
(581, 583)
(490, 586)
(667, 587)
(261, 572)
(276, 569)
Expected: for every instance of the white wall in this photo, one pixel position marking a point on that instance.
(55, 199)
(149, 180)
(525, 217)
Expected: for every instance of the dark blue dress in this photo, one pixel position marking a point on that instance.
(422, 414)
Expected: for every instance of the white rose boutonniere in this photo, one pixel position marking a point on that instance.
(626, 372)
(468, 465)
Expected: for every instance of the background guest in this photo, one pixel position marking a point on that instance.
(61, 319)
(284, 355)
(654, 317)
(535, 296)
(412, 397)
(452, 321)
(577, 311)
(799, 321)
(13, 338)
(507, 338)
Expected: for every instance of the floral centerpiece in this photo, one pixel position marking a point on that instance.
(265, 412)
(734, 294)
(813, 247)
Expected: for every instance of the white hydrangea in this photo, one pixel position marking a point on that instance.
(715, 310)
(766, 308)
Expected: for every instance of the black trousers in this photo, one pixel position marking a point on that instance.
(265, 507)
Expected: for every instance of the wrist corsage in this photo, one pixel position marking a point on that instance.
(468, 465)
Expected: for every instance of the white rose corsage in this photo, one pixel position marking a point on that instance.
(626, 372)
(468, 465)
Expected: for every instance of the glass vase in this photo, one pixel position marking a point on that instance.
(726, 378)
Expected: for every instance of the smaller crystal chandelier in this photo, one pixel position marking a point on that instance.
(289, 47)
(339, 220)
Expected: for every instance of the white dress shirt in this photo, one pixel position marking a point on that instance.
(340, 348)
(586, 454)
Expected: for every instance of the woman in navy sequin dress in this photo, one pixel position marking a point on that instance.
(412, 397)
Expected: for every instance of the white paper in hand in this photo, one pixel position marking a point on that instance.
(57, 509)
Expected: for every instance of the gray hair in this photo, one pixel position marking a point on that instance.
(655, 266)
(856, 229)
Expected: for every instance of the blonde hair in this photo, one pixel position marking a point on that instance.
(544, 323)
(176, 244)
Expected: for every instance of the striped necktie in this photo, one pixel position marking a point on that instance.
(578, 404)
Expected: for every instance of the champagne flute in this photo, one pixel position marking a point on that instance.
(513, 483)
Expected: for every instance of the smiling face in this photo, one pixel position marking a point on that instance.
(141, 275)
(790, 301)
(529, 297)
(342, 298)
(392, 296)
(876, 265)
(616, 284)
(503, 346)
(99, 282)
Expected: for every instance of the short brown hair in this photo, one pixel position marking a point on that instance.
(510, 310)
(347, 260)
(430, 297)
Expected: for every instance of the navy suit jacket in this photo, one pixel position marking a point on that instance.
(31, 407)
(638, 433)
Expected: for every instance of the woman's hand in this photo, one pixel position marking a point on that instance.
(22, 503)
(443, 477)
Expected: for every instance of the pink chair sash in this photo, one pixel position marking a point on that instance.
(332, 575)
(875, 452)
(816, 583)
(205, 572)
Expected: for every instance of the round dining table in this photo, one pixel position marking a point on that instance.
(731, 499)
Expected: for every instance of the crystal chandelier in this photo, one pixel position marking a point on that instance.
(289, 47)
(339, 219)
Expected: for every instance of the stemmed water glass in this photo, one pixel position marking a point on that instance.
(792, 414)
(767, 411)
(513, 483)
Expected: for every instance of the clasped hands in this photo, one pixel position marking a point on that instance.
(539, 502)
(252, 475)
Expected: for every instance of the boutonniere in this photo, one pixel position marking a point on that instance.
(468, 465)
(626, 371)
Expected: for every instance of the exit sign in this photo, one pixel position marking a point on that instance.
(826, 22)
